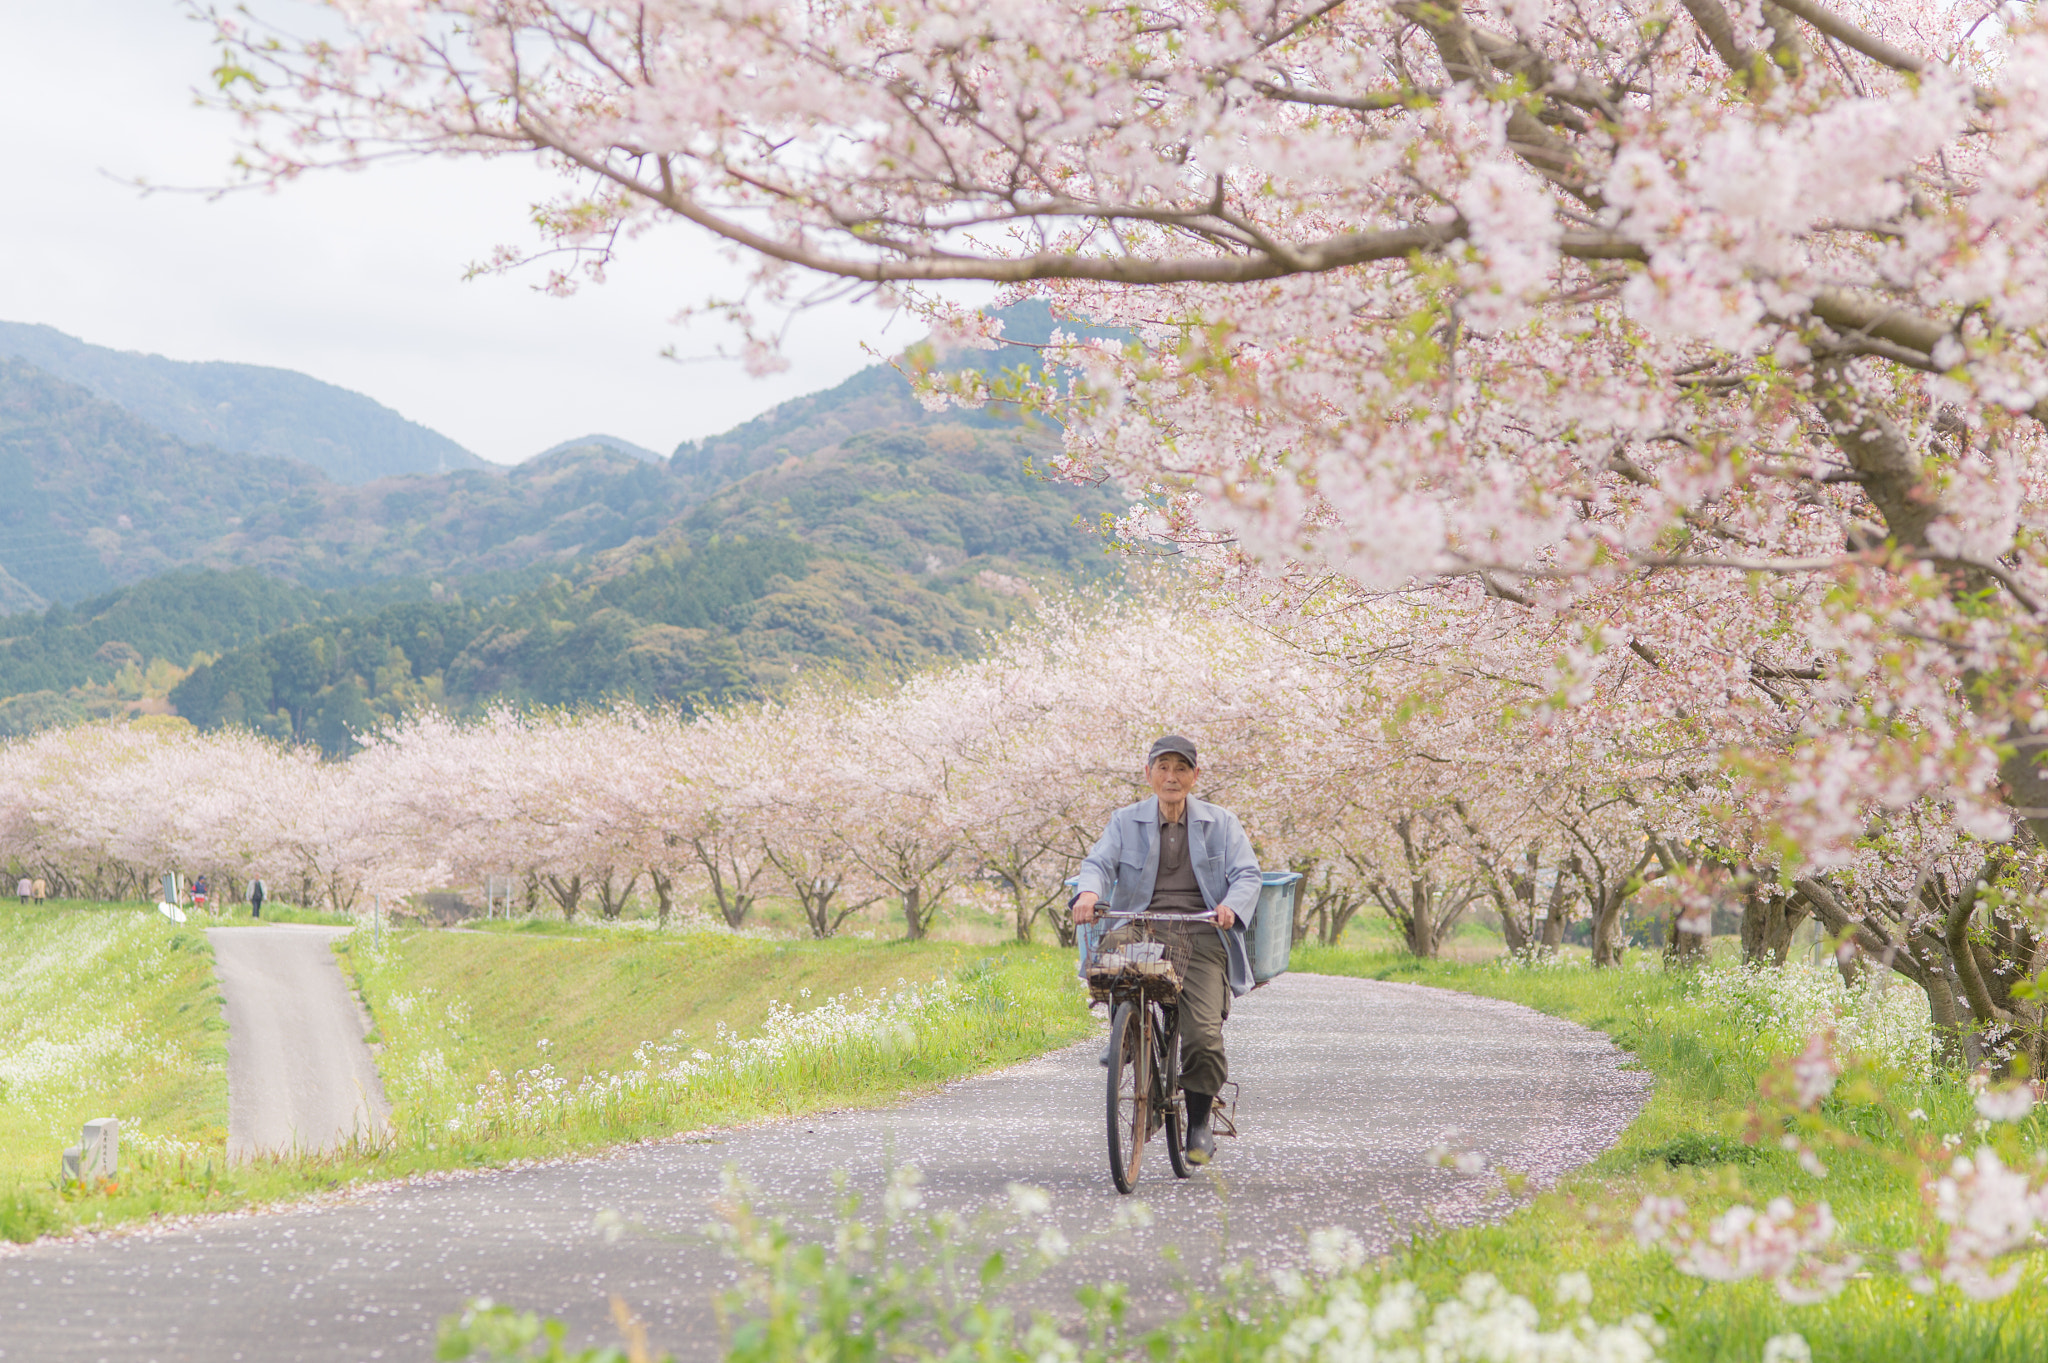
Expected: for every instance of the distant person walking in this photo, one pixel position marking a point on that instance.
(42, 889)
(25, 889)
(199, 892)
(255, 899)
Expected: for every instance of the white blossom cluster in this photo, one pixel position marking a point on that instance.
(1780, 1006)
(1484, 1323)
(65, 1007)
(672, 1069)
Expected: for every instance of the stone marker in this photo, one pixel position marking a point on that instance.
(98, 1152)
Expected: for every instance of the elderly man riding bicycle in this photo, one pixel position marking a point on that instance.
(1176, 854)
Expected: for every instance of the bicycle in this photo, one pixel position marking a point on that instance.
(1140, 982)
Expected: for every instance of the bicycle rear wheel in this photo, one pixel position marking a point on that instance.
(1130, 1085)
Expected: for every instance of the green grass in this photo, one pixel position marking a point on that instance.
(239, 915)
(1687, 1143)
(450, 1009)
(108, 1011)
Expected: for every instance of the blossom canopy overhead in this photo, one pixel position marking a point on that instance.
(1708, 336)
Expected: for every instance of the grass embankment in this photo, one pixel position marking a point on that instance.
(241, 916)
(108, 1011)
(1706, 1060)
(119, 1015)
(579, 1041)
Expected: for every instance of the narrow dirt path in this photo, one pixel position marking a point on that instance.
(300, 1077)
(1346, 1085)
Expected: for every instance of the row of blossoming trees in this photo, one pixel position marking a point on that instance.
(1686, 365)
(1409, 758)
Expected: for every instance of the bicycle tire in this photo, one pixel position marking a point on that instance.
(1128, 1093)
(1176, 1115)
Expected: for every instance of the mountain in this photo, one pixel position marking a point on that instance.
(246, 408)
(604, 442)
(871, 556)
(850, 530)
(91, 497)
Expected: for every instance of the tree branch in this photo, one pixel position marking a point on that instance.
(1850, 36)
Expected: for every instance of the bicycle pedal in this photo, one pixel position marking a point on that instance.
(1220, 1112)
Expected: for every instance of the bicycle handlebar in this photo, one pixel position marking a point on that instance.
(1206, 916)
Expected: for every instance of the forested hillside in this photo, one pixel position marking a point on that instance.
(91, 497)
(895, 548)
(851, 529)
(246, 408)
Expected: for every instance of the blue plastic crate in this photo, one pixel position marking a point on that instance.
(1272, 930)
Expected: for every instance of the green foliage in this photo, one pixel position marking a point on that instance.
(34, 710)
(172, 617)
(503, 1335)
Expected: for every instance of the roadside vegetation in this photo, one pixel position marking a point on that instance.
(108, 1011)
(495, 1046)
(1709, 1035)
(1561, 1277)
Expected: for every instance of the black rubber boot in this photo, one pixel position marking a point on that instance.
(1201, 1140)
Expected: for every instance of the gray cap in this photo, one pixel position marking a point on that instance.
(1172, 743)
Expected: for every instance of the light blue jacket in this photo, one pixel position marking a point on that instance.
(1123, 866)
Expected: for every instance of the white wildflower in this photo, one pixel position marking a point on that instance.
(1026, 1200)
(1335, 1249)
(1574, 1289)
(903, 1196)
(1787, 1349)
(2010, 1103)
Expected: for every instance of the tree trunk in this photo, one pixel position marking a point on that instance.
(569, 896)
(612, 897)
(735, 902)
(913, 918)
(1687, 948)
(816, 895)
(1421, 932)
(1769, 919)
(1336, 915)
(1062, 920)
(664, 895)
(1607, 943)
(1554, 917)
(1512, 930)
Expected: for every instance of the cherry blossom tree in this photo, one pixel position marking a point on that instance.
(1700, 349)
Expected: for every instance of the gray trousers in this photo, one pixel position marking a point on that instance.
(1204, 1004)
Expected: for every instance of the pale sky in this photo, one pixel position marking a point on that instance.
(355, 279)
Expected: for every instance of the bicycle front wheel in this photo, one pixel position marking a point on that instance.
(1130, 1089)
(1176, 1129)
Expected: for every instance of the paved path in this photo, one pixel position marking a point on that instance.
(1346, 1084)
(299, 1075)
